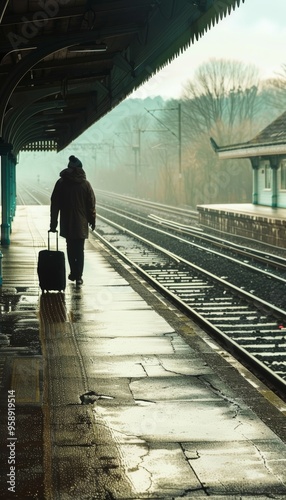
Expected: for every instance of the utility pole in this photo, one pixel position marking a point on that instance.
(180, 138)
(137, 153)
(178, 135)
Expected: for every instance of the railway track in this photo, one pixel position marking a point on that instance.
(204, 253)
(186, 221)
(247, 253)
(182, 212)
(197, 236)
(32, 195)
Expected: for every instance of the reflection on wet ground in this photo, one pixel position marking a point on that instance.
(22, 378)
(52, 307)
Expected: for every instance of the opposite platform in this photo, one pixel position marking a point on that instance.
(120, 396)
(253, 222)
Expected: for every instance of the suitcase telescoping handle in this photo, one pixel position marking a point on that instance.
(57, 239)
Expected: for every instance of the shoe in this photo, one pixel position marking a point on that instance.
(79, 282)
(71, 278)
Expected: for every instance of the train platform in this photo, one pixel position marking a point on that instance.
(108, 392)
(259, 211)
(254, 222)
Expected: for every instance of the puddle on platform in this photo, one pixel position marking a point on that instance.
(19, 321)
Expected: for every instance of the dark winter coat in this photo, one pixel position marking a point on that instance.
(74, 199)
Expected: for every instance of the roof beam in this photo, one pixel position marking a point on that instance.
(3, 7)
(28, 18)
(67, 12)
(24, 113)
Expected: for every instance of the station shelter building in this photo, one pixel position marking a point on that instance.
(265, 218)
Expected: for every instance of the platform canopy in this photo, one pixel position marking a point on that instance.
(65, 63)
(269, 142)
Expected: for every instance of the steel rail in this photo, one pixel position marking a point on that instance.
(263, 257)
(24, 190)
(244, 264)
(151, 204)
(225, 283)
(256, 255)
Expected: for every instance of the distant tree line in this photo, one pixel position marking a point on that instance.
(161, 149)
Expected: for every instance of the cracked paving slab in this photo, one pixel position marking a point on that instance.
(236, 456)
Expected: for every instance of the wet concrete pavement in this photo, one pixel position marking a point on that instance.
(119, 396)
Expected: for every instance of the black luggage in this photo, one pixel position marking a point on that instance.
(51, 268)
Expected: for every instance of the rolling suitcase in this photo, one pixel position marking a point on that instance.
(51, 268)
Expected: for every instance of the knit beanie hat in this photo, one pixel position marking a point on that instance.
(74, 162)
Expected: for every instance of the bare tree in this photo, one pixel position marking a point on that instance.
(275, 94)
(222, 96)
(222, 100)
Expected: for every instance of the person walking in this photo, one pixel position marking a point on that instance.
(74, 199)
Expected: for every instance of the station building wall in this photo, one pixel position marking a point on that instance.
(265, 184)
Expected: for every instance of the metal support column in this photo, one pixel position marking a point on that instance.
(5, 149)
(180, 138)
(13, 184)
(274, 164)
(255, 167)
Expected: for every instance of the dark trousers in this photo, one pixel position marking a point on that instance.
(75, 252)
